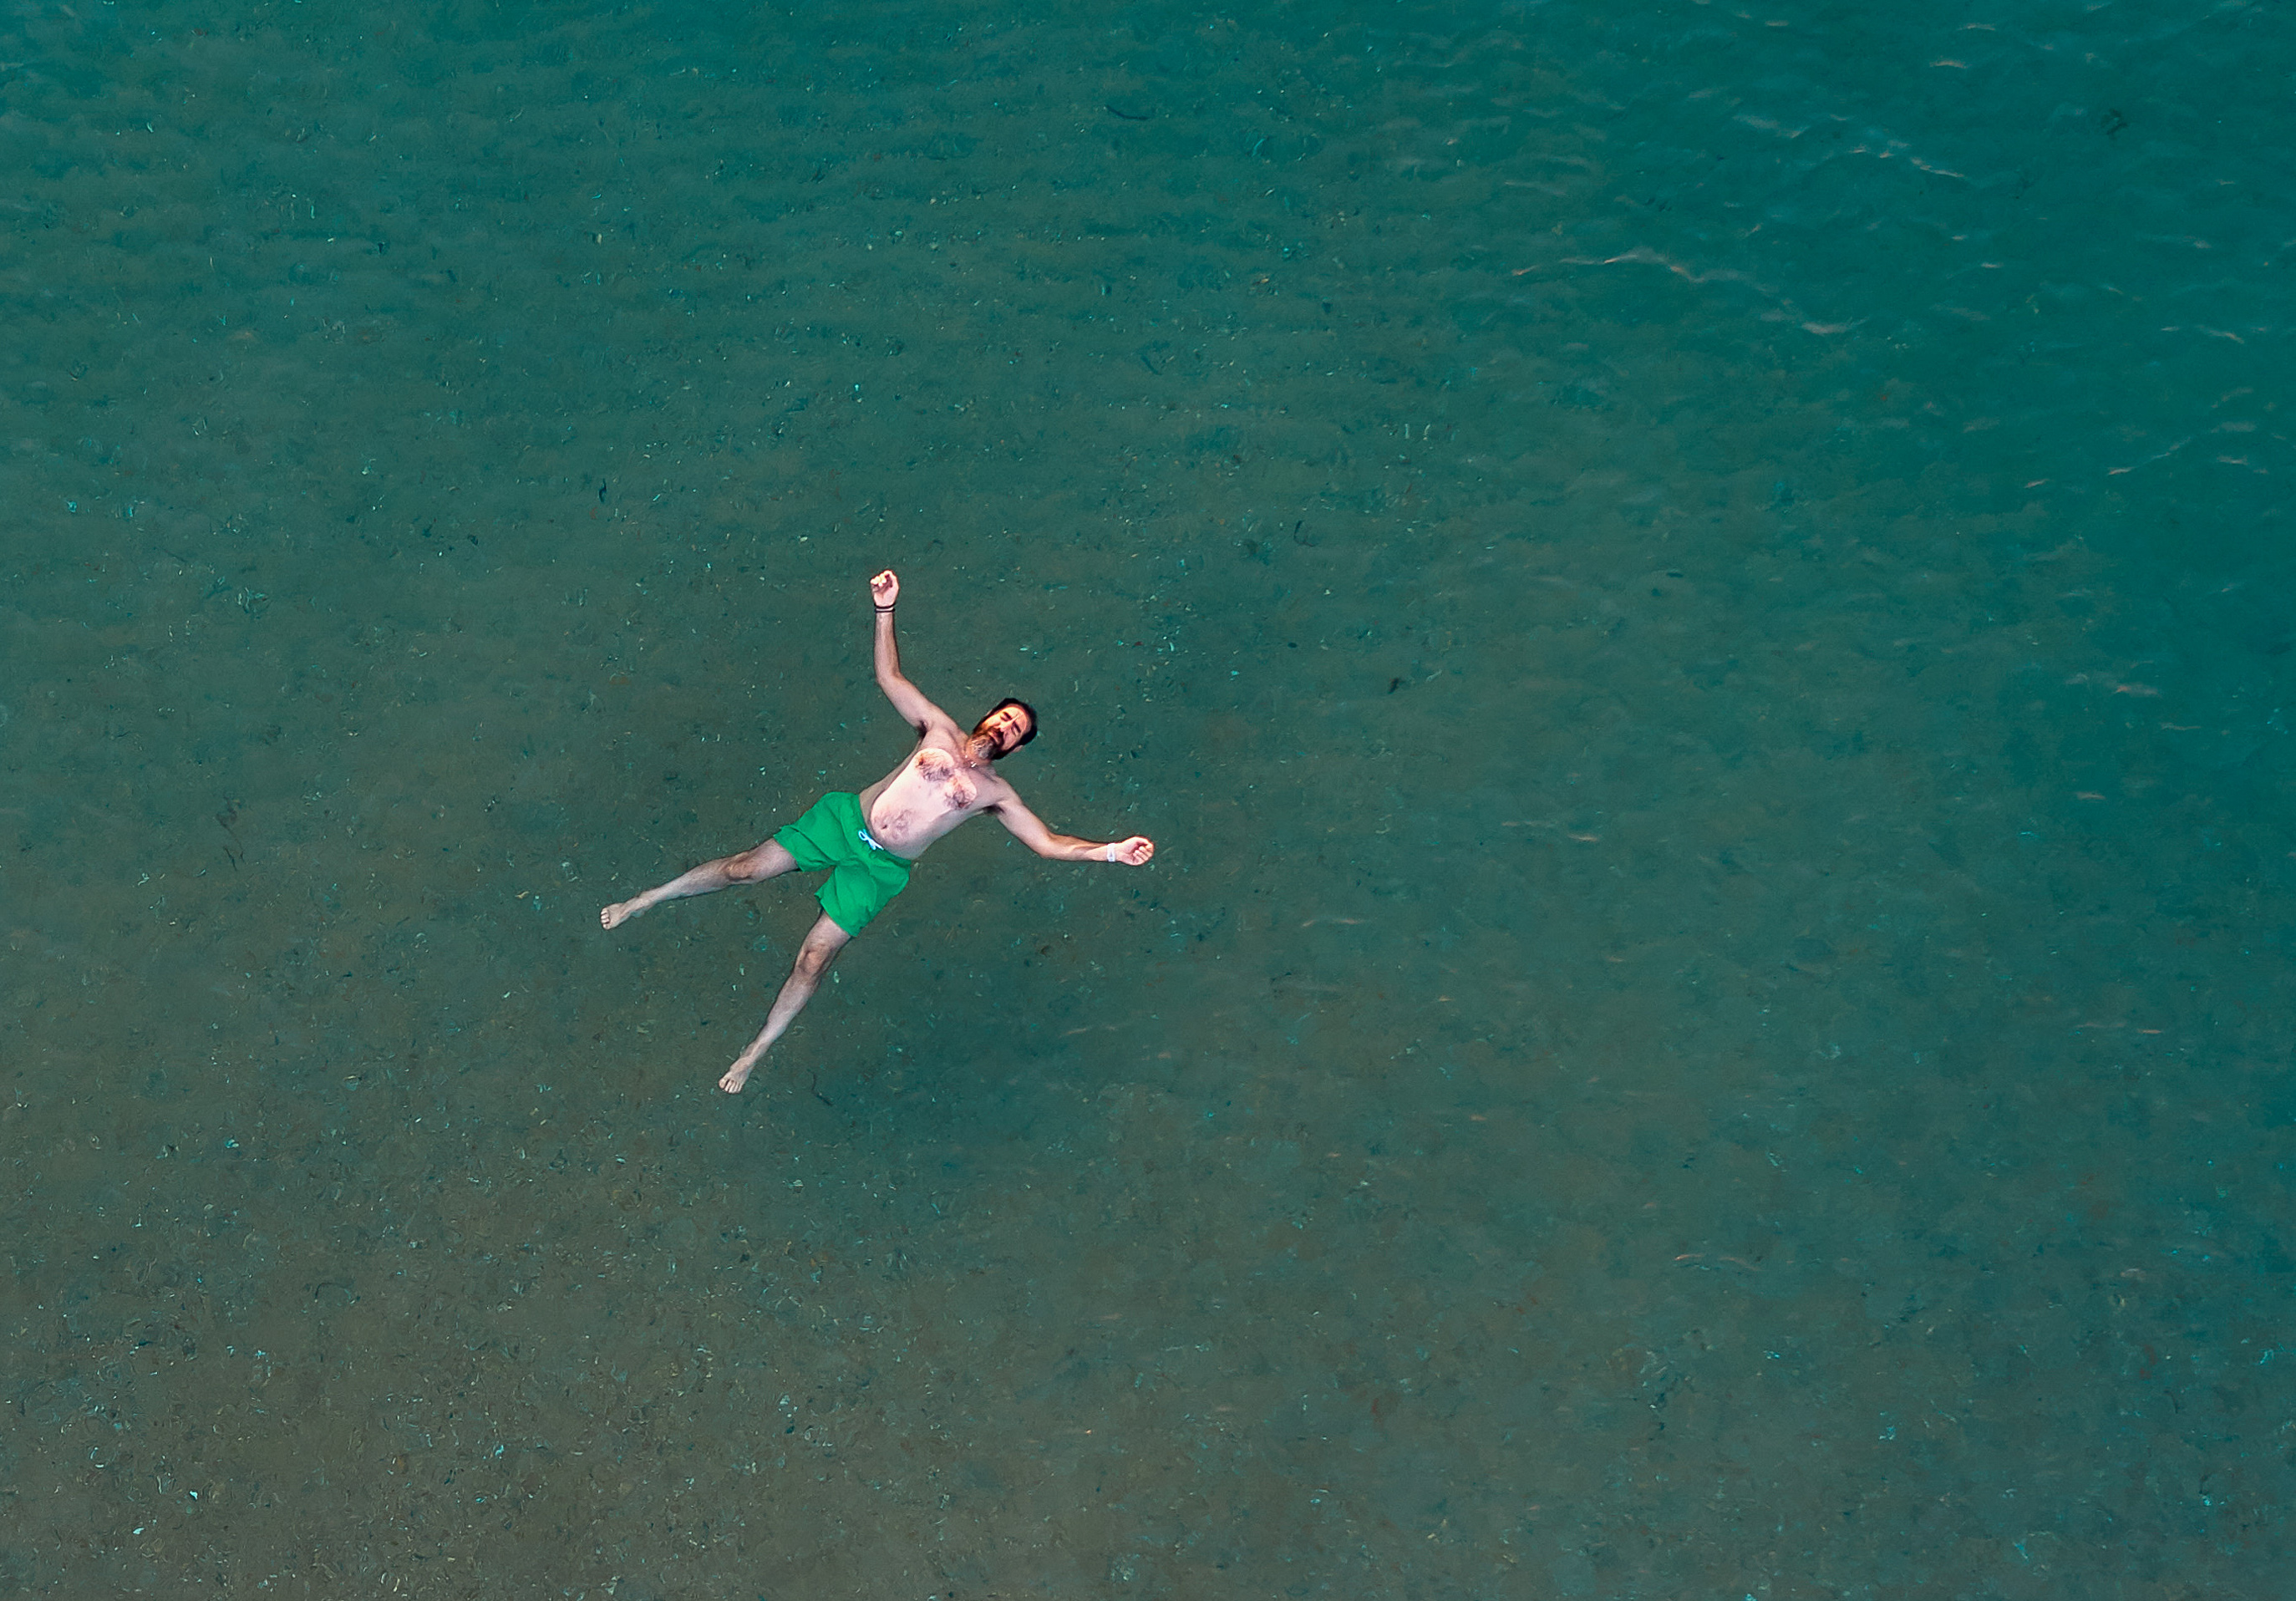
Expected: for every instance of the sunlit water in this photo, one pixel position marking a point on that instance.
(1695, 600)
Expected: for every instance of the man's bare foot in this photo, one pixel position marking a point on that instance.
(735, 1077)
(619, 912)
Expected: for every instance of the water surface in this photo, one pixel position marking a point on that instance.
(1694, 599)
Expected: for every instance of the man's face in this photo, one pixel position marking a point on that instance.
(1003, 728)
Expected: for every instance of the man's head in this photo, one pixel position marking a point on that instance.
(1009, 725)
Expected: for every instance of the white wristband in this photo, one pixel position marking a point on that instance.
(1108, 853)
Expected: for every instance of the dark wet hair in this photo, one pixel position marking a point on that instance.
(1023, 705)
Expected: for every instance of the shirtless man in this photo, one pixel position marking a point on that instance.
(868, 841)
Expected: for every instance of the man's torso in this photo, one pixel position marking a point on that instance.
(928, 795)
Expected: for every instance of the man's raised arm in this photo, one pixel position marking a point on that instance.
(915, 711)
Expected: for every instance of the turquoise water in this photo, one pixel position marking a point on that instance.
(1695, 600)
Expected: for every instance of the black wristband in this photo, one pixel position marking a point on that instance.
(882, 610)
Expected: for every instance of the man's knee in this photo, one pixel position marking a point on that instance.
(747, 868)
(814, 956)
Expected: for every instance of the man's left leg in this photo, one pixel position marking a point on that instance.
(822, 943)
(770, 858)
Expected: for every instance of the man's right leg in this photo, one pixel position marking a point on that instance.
(752, 866)
(823, 941)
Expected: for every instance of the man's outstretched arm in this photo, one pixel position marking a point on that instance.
(907, 700)
(1029, 829)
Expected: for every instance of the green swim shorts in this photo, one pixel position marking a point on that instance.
(864, 875)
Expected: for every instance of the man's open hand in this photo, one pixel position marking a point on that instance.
(885, 588)
(1133, 852)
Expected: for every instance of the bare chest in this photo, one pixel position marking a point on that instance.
(942, 781)
(923, 800)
